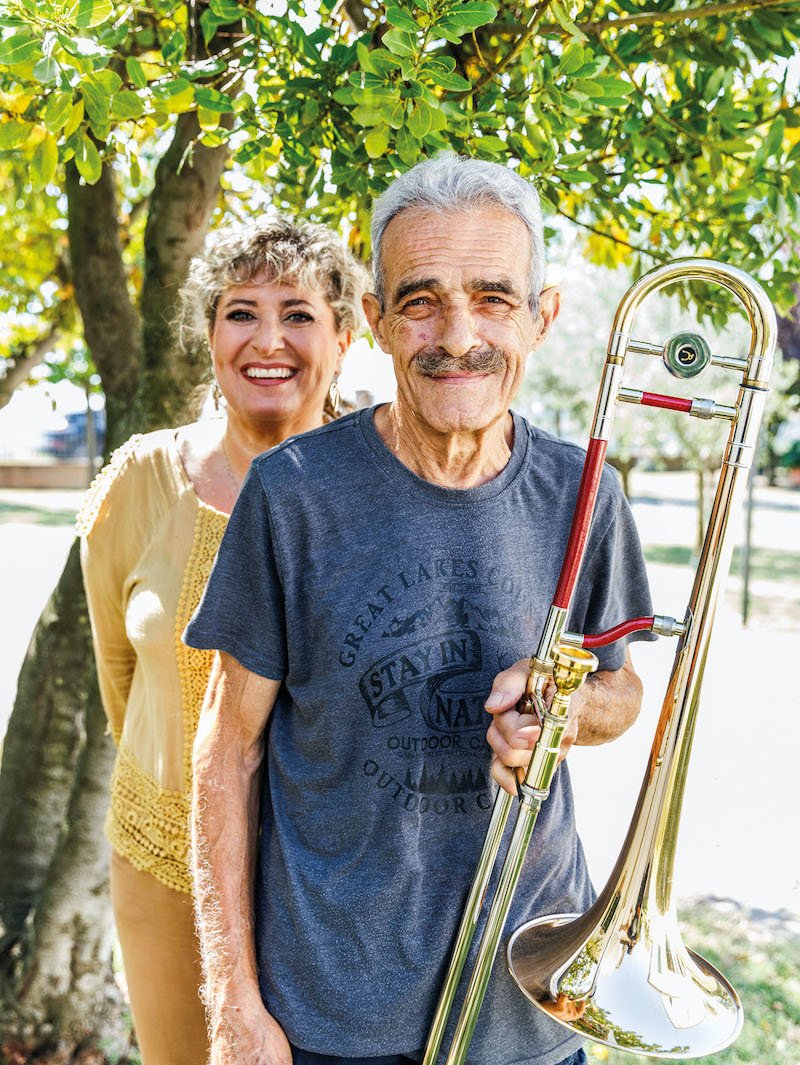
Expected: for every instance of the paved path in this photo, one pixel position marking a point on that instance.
(739, 835)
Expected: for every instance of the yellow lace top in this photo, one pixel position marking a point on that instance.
(147, 547)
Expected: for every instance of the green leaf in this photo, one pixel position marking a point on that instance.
(57, 111)
(227, 10)
(439, 62)
(377, 141)
(775, 137)
(75, 119)
(93, 13)
(383, 62)
(364, 61)
(396, 16)
(174, 49)
(368, 116)
(136, 72)
(467, 17)
(571, 60)
(20, 48)
(344, 95)
(126, 104)
(209, 24)
(87, 160)
(14, 132)
(213, 100)
(44, 163)
(468, 14)
(400, 43)
(451, 82)
(577, 176)
(175, 96)
(374, 96)
(310, 111)
(394, 115)
(408, 147)
(559, 13)
(134, 170)
(492, 145)
(207, 120)
(47, 70)
(97, 100)
(419, 121)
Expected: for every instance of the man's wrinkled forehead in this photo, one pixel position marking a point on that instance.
(482, 248)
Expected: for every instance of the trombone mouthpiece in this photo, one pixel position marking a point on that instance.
(571, 665)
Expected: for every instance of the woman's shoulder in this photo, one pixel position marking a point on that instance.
(145, 462)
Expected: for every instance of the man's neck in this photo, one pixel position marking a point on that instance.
(453, 460)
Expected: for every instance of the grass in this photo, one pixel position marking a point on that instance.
(30, 514)
(759, 956)
(765, 563)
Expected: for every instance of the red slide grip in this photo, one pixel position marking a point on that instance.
(581, 520)
(601, 639)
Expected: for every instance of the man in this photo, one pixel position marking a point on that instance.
(375, 576)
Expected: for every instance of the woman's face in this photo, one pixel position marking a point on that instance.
(275, 350)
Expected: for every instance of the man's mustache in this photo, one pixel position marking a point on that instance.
(436, 363)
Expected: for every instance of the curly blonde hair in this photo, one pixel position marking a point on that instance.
(287, 252)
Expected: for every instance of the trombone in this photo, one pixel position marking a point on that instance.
(619, 973)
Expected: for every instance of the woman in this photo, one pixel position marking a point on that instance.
(278, 304)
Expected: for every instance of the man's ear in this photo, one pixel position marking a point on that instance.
(374, 316)
(549, 306)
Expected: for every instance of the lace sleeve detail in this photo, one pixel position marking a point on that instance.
(101, 486)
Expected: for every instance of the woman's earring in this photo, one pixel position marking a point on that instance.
(333, 403)
(216, 393)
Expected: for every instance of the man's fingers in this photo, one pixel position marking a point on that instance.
(504, 776)
(512, 741)
(508, 687)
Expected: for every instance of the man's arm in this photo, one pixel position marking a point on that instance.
(228, 757)
(600, 711)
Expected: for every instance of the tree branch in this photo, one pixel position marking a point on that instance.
(647, 18)
(19, 366)
(610, 236)
(529, 30)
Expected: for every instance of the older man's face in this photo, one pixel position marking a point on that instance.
(457, 320)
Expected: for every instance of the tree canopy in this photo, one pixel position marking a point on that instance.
(659, 129)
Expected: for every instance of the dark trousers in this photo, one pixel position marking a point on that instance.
(306, 1057)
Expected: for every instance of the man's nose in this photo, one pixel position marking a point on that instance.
(457, 333)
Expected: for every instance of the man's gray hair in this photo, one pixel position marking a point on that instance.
(451, 182)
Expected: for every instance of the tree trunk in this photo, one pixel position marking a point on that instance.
(185, 195)
(111, 323)
(55, 954)
(66, 995)
(40, 753)
(58, 999)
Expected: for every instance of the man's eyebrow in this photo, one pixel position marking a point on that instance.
(416, 285)
(500, 284)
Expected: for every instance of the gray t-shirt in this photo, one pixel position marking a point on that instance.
(386, 605)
